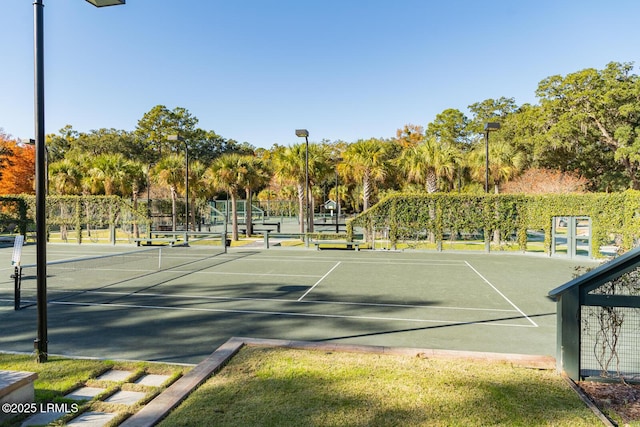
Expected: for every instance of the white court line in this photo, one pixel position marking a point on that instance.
(319, 280)
(178, 271)
(403, 261)
(502, 295)
(427, 307)
(286, 313)
(286, 300)
(250, 274)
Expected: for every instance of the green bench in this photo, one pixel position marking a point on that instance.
(333, 243)
(151, 241)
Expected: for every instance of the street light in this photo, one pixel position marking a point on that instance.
(337, 160)
(186, 183)
(41, 342)
(102, 3)
(305, 133)
(488, 127)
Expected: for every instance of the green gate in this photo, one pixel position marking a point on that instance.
(571, 236)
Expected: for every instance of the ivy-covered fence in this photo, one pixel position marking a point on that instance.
(436, 217)
(76, 215)
(13, 215)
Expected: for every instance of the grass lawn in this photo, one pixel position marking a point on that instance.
(59, 376)
(283, 387)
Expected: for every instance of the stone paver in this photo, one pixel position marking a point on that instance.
(125, 397)
(42, 418)
(115, 375)
(92, 419)
(84, 393)
(152, 380)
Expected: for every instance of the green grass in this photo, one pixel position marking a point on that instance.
(281, 387)
(461, 246)
(59, 376)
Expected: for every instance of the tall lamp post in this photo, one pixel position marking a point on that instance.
(41, 342)
(337, 160)
(186, 184)
(305, 133)
(488, 127)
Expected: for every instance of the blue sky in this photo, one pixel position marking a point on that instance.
(255, 70)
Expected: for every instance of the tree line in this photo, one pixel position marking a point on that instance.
(582, 135)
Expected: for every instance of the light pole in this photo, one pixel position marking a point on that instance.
(337, 160)
(149, 232)
(41, 342)
(488, 127)
(186, 184)
(305, 133)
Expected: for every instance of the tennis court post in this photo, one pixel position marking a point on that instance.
(16, 258)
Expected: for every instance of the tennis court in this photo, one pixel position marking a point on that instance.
(178, 304)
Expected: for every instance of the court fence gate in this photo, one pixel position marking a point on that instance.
(598, 322)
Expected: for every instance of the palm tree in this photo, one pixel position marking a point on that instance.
(169, 172)
(65, 177)
(365, 161)
(226, 173)
(290, 167)
(429, 161)
(426, 163)
(320, 167)
(255, 177)
(505, 162)
(134, 182)
(198, 188)
(107, 173)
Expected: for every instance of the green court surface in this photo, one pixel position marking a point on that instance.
(128, 309)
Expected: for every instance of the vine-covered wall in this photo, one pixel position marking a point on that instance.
(13, 215)
(17, 213)
(612, 214)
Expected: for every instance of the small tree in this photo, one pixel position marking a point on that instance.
(546, 181)
(17, 167)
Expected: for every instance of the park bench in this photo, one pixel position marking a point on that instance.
(156, 240)
(261, 226)
(334, 243)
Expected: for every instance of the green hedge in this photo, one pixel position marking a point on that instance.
(13, 215)
(71, 212)
(612, 214)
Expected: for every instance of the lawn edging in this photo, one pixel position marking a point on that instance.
(159, 407)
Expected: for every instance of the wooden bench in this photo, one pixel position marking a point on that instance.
(348, 245)
(256, 230)
(162, 240)
(260, 226)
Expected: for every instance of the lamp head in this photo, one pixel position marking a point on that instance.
(488, 127)
(102, 3)
(302, 132)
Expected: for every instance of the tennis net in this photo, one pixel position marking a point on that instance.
(99, 272)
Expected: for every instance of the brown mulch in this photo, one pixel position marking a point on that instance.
(623, 399)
